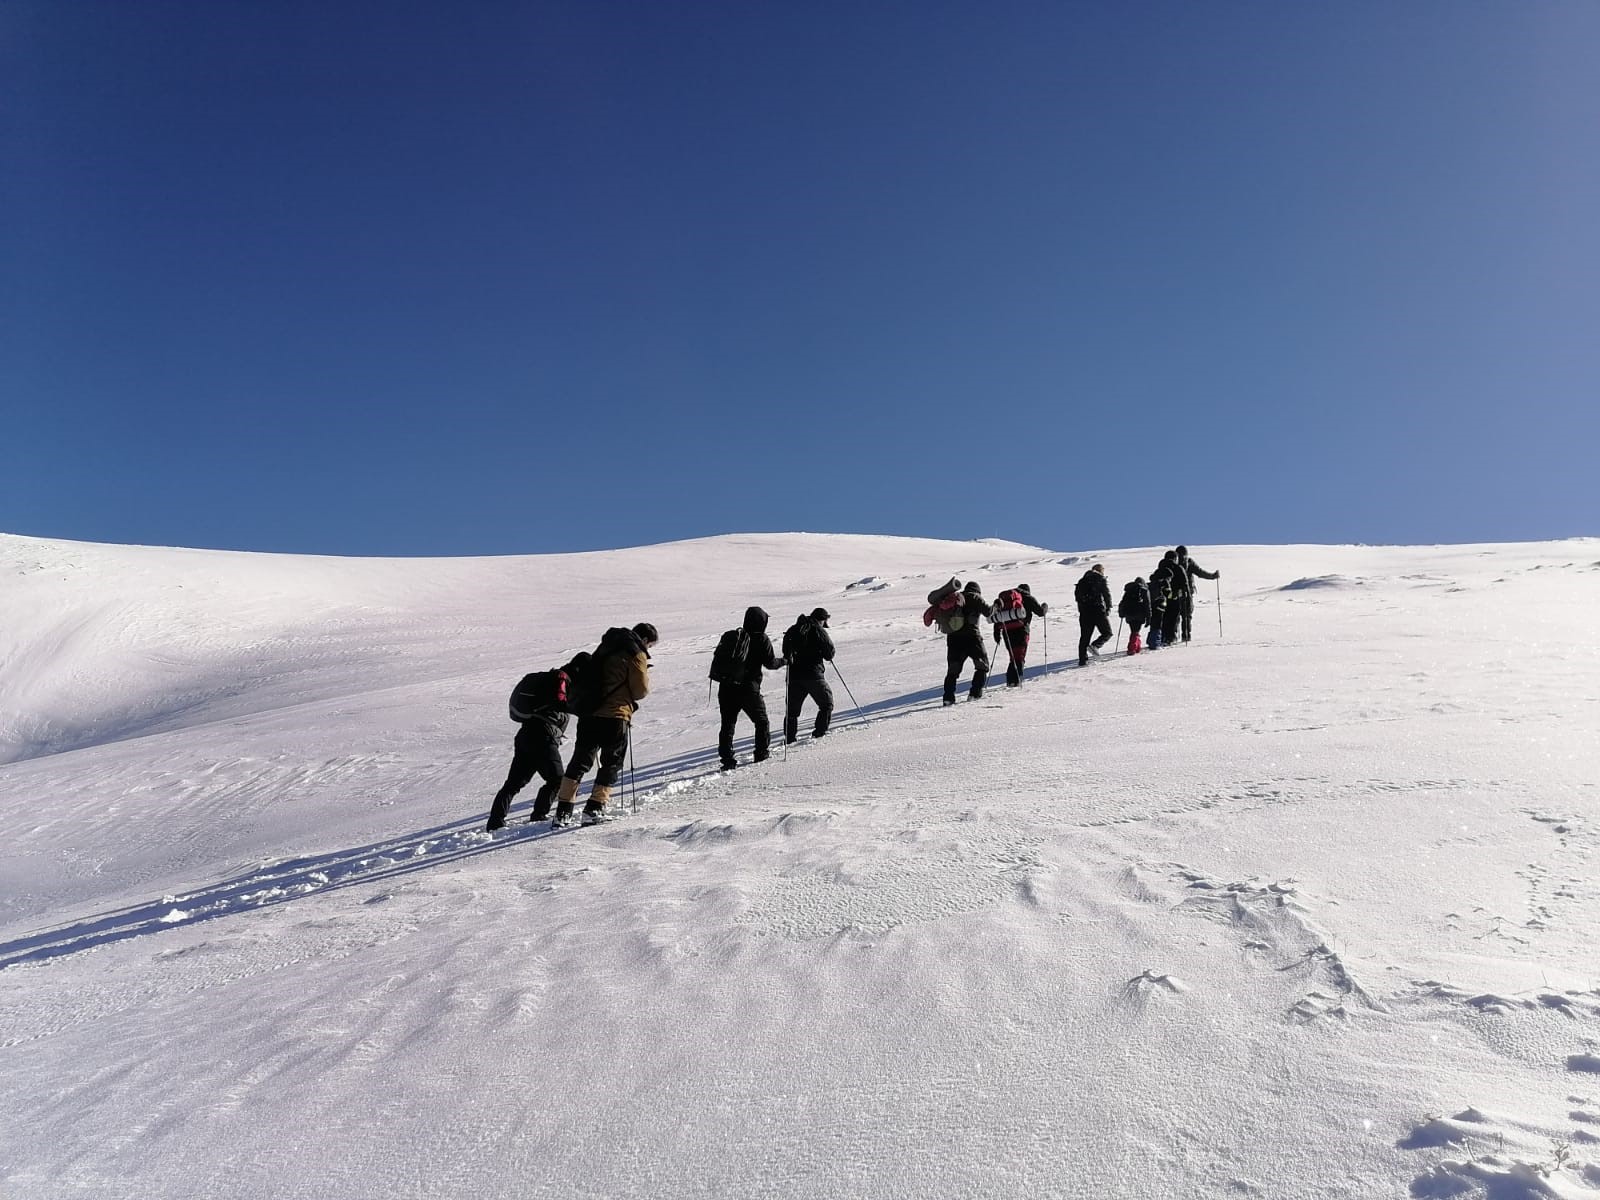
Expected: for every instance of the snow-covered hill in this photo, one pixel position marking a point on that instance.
(1304, 909)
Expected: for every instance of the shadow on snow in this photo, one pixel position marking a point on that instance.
(394, 858)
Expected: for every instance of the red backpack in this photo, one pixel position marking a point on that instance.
(1010, 610)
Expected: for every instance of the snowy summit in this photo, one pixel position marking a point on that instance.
(1304, 909)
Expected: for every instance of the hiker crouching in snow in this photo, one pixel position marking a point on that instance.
(807, 649)
(540, 706)
(964, 642)
(1093, 595)
(740, 658)
(1014, 611)
(618, 677)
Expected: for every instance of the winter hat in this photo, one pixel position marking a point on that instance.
(1183, 552)
(1170, 556)
(819, 614)
(1024, 589)
(972, 588)
(1098, 568)
(646, 633)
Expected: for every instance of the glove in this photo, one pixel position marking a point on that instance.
(1044, 608)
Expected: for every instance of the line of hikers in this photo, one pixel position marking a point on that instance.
(604, 687)
(1164, 602)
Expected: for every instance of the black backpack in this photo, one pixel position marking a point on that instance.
(1135, 604)
(538, 693)
(800, 640)
(727, 661)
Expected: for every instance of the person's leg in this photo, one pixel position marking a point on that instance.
(955, 658)
(1103, 624)
(755, 707)
(613, 754)
(522, 769)
(823, 695)
(980, 670)
(1085, 632)
(729, 702)
(794, 697)
(547, 762)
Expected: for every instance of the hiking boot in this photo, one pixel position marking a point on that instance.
(493, 825)
(564, 816)
(595, 810)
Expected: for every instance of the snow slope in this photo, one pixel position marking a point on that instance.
(1305, 909)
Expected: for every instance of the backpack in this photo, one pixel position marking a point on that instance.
(585, 694)
(539, 692)
(1135, 604)
(1010, 610)
(800, 640)
(728, 659)
(949, 613)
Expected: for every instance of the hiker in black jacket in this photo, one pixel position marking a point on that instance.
(1190, 569)
(1134, 608)
(1160, 598)
(1093, 595)
(1013, 626)
(808, 649)
(966, 644)
(742, 693)
(1178, 581)
(541, 713)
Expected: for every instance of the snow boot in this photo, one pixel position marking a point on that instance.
(564, 799)
(1134, 645)
(595, 810)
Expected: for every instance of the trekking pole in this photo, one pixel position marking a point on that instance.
(1219, 607)
(1118, 642)
(787, 700)
(633, 784)
(1046, 619)
(847, 690)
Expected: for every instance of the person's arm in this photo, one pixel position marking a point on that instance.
(772, 661)
(1034, 606)
(1196, 569)
(639, 676)
(825, 642)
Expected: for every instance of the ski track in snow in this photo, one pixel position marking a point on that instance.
(1303, 913)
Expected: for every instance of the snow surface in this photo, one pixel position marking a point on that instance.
(1305, 909)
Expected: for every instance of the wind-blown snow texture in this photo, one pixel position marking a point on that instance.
(1306, 912)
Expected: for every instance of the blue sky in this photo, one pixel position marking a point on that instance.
(501, 278)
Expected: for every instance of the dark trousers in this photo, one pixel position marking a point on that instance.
(734, 699)
(1014, 645)
(1088, 625)
(1188, 615)
(1174, 617)
(536, 751)
(958, 652)
(1158, 618)
(605, 736)
(800, 689)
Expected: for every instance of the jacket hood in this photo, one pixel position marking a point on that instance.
(755, 619)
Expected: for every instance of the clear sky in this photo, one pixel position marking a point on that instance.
(429, 278)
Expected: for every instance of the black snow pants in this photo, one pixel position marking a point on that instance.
(1088, 624)
(605, 736)
(734, 699)
(800, 689)
(1188, 615)
(536, 751)
(1174, 617)
(959, 649)
(1014, 645)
